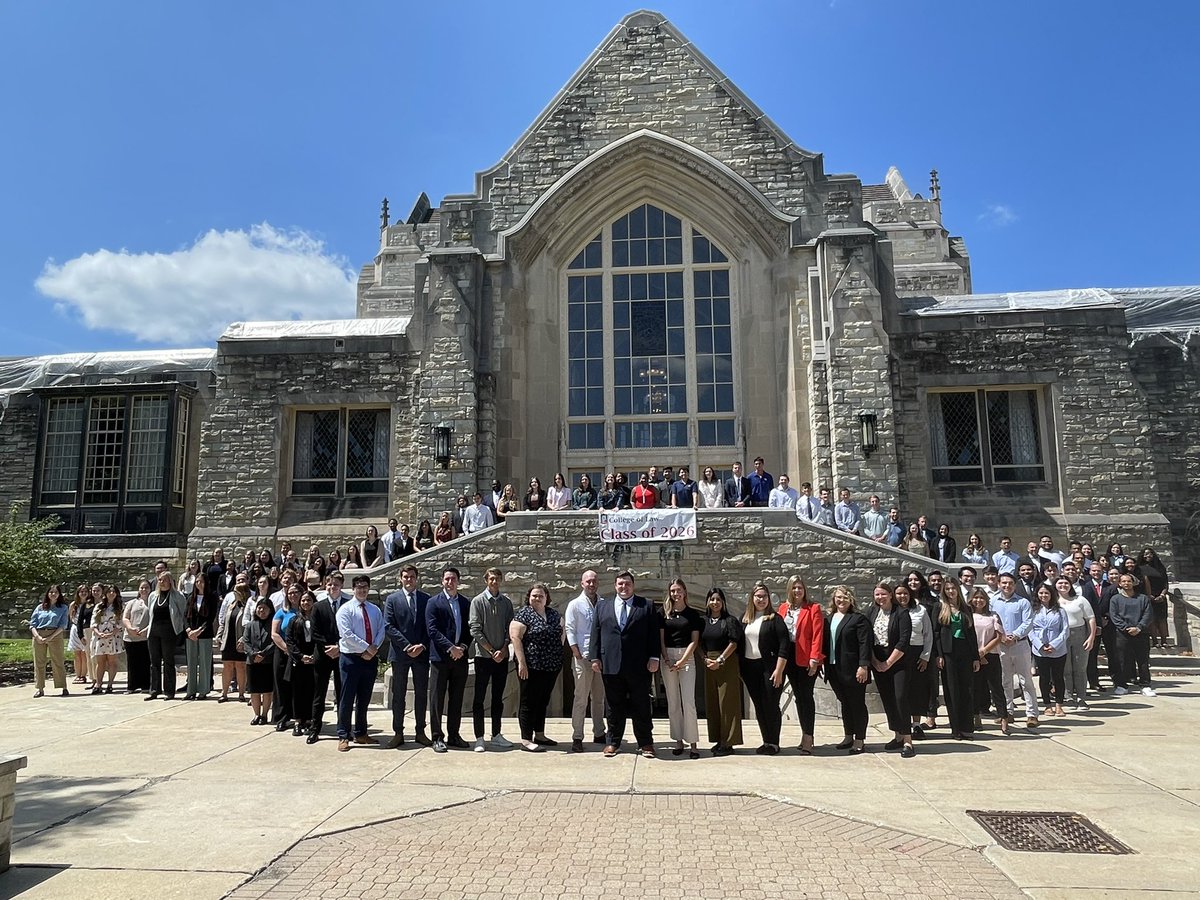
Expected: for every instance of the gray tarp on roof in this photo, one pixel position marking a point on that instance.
(23, 373)
(1146, 309)
(327, 328)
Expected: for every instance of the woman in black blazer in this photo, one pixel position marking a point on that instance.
(957, 651)
(765, 653)
(892, 660)
(847, 665)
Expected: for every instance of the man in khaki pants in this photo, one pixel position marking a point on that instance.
(580, 612)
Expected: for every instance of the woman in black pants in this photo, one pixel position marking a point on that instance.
(925, 595)
(806, 626)
(958, 659)
(303, 650)
(537, 640)
(168, 610)
(892, 660)
(765, 654)
(847, 665)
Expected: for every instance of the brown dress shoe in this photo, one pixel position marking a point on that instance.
(364, 739)
(343, 746)
(1031, 722)
(610, 751)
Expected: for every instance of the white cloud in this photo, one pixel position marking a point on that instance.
(998, 214)
(189, 296)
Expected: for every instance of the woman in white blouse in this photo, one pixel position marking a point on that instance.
(1082, 620)
(712, 489)
(558, 496)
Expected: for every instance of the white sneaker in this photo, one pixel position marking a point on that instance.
(479, 748)
(1081, 706)
(1120, 691)
(1149, 692)
(501, 742)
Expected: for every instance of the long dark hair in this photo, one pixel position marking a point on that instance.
(46, 596)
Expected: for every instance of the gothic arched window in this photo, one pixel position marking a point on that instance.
(649, 342)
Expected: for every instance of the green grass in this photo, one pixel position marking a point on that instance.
(15, 650)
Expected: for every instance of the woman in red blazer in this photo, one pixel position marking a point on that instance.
(805, 622)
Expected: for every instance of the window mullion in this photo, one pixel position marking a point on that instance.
(343, 450)
(985, 437)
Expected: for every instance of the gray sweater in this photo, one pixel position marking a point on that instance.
(1125, 612)
(490, 618)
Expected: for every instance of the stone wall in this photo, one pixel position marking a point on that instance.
(19, 426)
(243, 496)
(1099, 436)
(734, 549)
(1168, 371)
(644, 76)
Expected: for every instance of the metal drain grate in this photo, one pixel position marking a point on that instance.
(1047, 832)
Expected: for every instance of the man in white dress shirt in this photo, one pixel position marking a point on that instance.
(588, 684)
(360, 633)
(478, 516)
(783, 495)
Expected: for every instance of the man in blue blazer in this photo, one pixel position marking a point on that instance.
(448, 622)
(404, 619)
(625, 652)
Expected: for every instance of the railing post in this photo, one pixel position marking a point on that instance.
(1183, 637)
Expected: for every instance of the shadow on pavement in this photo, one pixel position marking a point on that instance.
(43, 803)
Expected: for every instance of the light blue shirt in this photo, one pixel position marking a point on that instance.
(1006, 561)
(846, 515)
(1016, 615)
(48, 619)
(352, 629)
(1050, 626)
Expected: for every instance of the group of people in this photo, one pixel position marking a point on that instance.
(931, 634)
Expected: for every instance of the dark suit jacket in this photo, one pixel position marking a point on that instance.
(737, 490)
(402, 546)
(946, 647)
(929, 536)
(853, 647)
(456, 520)
(625, 651)
(403, 627)
(899, 630)
(1095, 597)
(324, 627)
(439, 623)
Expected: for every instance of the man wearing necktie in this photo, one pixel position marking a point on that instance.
(624, 650)
(404, 621)
(446, 619)
(360, 633)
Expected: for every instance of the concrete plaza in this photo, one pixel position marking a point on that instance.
(128, 799)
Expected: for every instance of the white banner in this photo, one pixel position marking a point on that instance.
(625, 526)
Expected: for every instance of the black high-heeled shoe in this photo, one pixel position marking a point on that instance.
(846, 744)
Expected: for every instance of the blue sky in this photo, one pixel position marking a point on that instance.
(169, 167)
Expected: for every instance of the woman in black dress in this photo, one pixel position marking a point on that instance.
(304, 651)
(719, 640)
(535, 498)
(371, 549)
(260, 650)
(231, 624)
(847, 665)
(425, 537)
(1154, 577)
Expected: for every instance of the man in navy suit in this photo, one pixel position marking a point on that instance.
(404, 620)
(625, 650)
(448, 622)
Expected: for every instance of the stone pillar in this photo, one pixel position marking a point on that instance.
(447, 388)
(9, 766)
(859, 371)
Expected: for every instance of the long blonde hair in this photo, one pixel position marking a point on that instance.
(748, 615)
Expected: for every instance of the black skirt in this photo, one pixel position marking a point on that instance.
(260, 679)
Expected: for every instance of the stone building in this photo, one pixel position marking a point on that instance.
(653, 274)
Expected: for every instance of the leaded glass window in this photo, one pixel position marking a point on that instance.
(649, 338)
(987, 435)
(341, 451)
